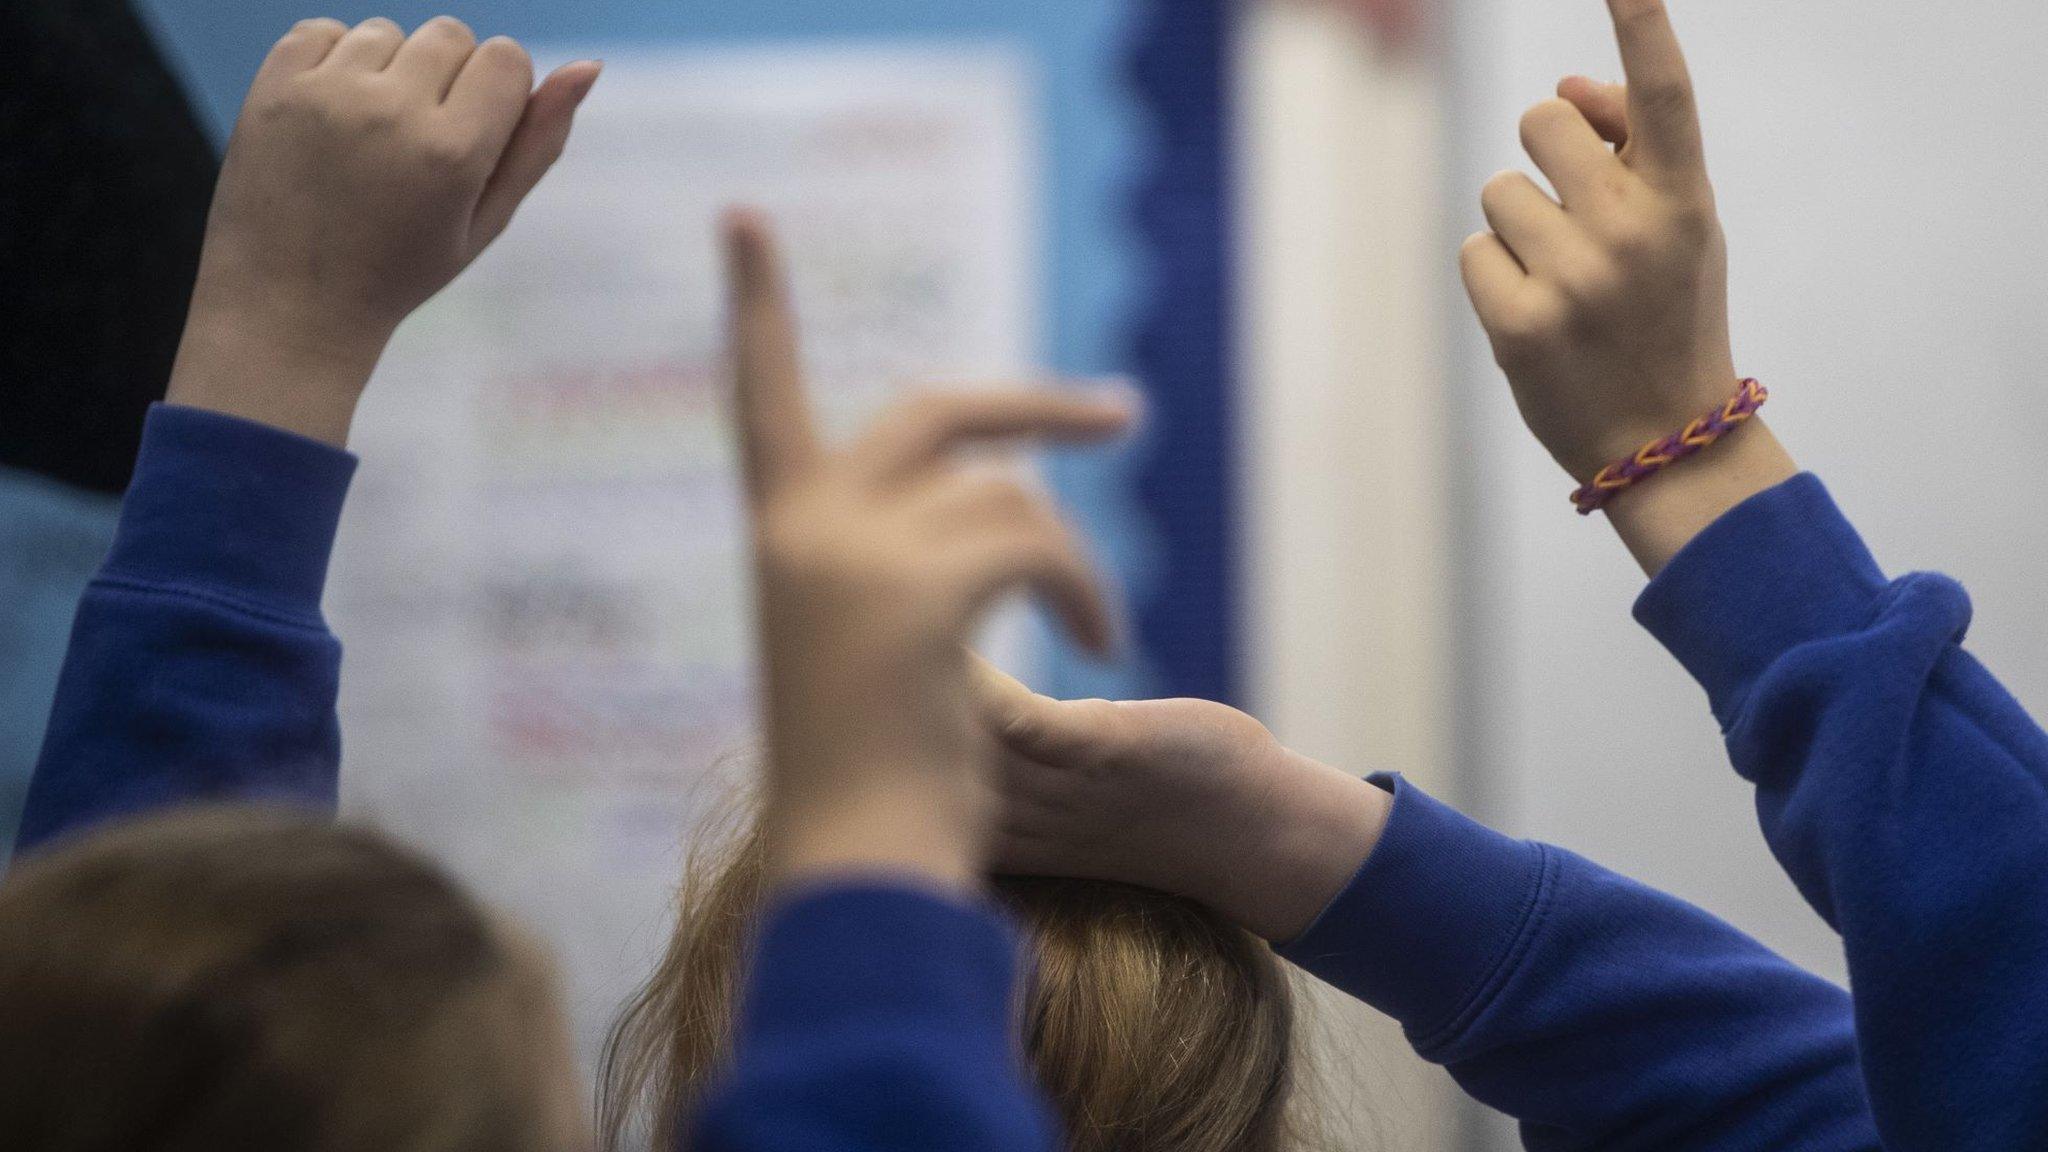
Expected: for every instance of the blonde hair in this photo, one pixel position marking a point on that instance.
(242, 979)
(1152, 1024)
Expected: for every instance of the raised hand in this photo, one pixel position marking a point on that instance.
(1607, 305)
(874, 565)
(1183, 796)
(367, 171)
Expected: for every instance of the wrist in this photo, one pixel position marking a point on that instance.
(273, 368)
(1659, 517)
(1318, 830)
(919, 836)
(1622, 437)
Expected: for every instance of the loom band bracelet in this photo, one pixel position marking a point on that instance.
(1658, 455)
(1695, 436)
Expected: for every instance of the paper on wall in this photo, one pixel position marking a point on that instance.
(541, 581)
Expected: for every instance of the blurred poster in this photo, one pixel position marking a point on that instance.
(541, 582)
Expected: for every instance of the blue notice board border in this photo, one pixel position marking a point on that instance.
(1184, 346)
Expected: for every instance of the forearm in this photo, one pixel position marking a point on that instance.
(1598, 1012)
(1904, 791)
(931, 839)
(1316, 828)
(200, 667)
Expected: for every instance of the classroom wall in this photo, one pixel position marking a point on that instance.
(1878, 164)
(1347, 544)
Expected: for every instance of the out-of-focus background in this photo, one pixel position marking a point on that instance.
(1249, 208)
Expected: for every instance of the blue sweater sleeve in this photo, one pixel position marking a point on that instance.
(1599, 1013)
(200, 667)
(1902, 788)
(878, 1019)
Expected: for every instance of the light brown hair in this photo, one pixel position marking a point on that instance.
(237, 979)
(1151, 1023)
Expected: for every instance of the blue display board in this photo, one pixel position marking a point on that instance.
(1136, 245)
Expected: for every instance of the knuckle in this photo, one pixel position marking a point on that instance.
(326, 25)
(1638, 235)
(383, 28)
(1593, 281)
(1663, 97)
(1500, 184)
(1017, 726)
(1616, 184)
(1545, 118)
(354, 109)
(505, 52)
(1694, 221)
(448, 26)
(1527, 330)
(443, 152)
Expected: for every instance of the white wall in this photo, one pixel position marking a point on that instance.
(1348, 538)
(1879, 164)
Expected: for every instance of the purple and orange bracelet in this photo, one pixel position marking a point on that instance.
(1658, 455)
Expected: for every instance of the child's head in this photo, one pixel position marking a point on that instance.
(233, 979)
(1153, 1024)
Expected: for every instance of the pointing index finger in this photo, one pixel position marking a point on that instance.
(1664, 125)
(777, 437)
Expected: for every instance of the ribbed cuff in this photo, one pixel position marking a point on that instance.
(861, 956)
(1781, 569)
(1434, 917)
(230, 507)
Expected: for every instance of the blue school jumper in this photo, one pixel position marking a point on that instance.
(1902, 788)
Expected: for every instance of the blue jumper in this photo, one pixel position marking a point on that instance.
(1602, 1014)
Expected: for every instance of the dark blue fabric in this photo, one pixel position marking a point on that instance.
(200, 666)
(1599, 1013)
(1902, 788)
(878, 1018)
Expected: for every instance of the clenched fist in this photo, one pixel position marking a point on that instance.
(367, 171)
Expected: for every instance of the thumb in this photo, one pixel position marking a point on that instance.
(1017, 717)
(1605, 106)
(999, 695)
(1040, 728)
(536, 144)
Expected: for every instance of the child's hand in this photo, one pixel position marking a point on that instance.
(367, 171)
(1609, 311)
(875, 564)
(1183, 796)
